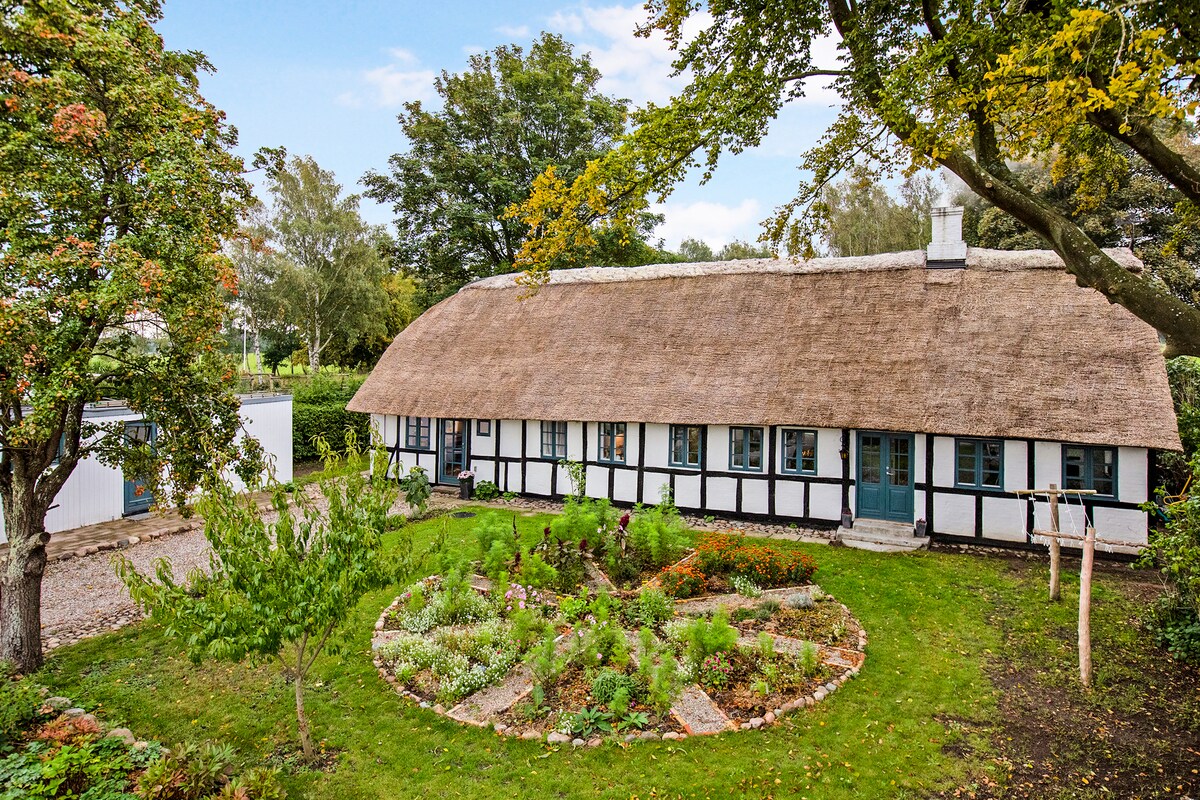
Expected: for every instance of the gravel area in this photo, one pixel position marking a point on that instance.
(83, 596)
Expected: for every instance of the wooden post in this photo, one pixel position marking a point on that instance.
(1085, 607)
(1055, 549)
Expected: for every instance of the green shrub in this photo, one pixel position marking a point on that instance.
(703, 638)
(20, 705)
(608, 681)
(535, 572)
(808, 659)
(330, 420)
(580, 521)
(323, 389)
(657, 536)
(417, 490)
(1175, 551)
(651, 607)
(497, 544)
(658, 672)
(486, 490)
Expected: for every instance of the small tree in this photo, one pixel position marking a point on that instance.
(280, 585)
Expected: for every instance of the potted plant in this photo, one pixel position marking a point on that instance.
(466, 484)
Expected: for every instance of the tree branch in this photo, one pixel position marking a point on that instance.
(1182, 174)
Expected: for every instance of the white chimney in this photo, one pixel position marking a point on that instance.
(947, 245)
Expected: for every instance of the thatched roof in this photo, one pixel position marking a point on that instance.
(1009, 346)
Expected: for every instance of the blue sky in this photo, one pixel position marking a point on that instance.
(327, 80)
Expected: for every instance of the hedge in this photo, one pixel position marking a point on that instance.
(325, 419)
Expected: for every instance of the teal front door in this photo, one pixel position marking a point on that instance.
(137, 495)
(452, 447)
(884, 486)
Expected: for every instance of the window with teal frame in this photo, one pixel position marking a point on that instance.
(416, 436)
(612, 443)
(554, 439)
(686, 442)
(799, 454)
(746, 449)
(979, 463)
(1089, 467)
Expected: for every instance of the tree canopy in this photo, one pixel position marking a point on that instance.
(509, 117)
(971, 86)
(327, 267)
(863, 219)
(117, 185)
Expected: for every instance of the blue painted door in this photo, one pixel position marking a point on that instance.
(452, 447)
(137, 495)
(884, 484)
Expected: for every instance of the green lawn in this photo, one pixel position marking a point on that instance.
(922, 718)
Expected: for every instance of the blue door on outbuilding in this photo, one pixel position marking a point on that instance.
(884, 483)
(137, 495)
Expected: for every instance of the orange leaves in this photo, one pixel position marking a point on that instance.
(78, 124)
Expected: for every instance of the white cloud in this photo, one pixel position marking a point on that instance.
(632, 67)
(473, 49)
(392, 84)
(716, 224)
(513, 31)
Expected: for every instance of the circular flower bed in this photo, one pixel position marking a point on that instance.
(732, 636)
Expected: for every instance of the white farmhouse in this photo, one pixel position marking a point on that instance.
(917, 390)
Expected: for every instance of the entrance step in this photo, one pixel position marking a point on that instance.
(882, 536)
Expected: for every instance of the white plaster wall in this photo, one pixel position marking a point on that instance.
(943, 464)
(625, 486)
(597, 479)
(722, 494)
(954, 514)
(1004, 518)
(754, 496)
(510, 438)
(658, 448)
(1132, 477)
(654, 483)
(1016, 465)
(1047, 466)
(825, 500)
(789, 498)
(717, 457)
(270, 422)
(687, 491)
(575, 441)
(537, 475)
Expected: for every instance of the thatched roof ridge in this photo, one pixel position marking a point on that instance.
(1009, 346)
(977, 258)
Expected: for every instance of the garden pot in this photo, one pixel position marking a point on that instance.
(466, 488)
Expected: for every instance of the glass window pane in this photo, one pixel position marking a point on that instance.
(790, 462)
(737, 454)
(1073, 463)
(966, 462)
(808, 452)
(870, 453)
(1103, 461)
(693, 442)
(899, 461)
(756, 446)
(619, 442)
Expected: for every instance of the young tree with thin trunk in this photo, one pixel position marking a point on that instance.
(971, 86)
(330, 268)
(117, 185)
(281, 583)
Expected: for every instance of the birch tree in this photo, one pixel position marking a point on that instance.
(330, 268)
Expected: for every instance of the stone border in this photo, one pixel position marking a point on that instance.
(854, 658)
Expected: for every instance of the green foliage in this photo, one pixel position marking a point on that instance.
(417, 490)
(588, 721)
(20, 705)
(577, 475)
(508, 117)
(330, 272)
(1175, 551)
(497, 544)
(461, 662)
(650, 608)
(118, 182)
(535, 572)
(657, 536)
(715, 671)
(864, 219)
(279, 586)
(486, 491)
(580, 520)
(328, 421)
(573, 607)
(545, 662)
(703, 638)
(766, 645)
(809, 659)
(608, 682)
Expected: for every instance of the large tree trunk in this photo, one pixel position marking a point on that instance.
(21, 584)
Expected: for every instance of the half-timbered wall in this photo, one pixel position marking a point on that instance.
(511, 456)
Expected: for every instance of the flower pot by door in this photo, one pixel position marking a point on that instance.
(466, 488)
